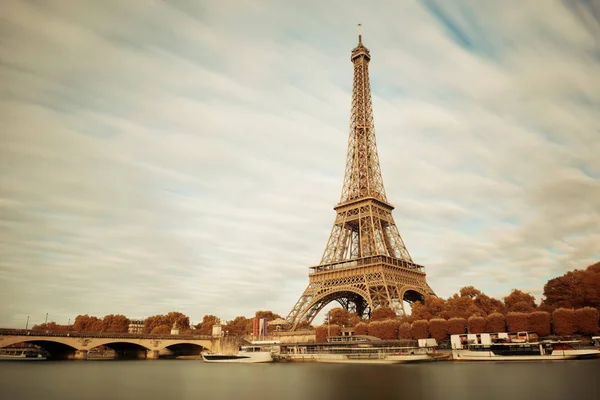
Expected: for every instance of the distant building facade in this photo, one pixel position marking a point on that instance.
(136, 326)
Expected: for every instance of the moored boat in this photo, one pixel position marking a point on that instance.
(522, 346)
(17, 354)
(256, 352)
(359, 350)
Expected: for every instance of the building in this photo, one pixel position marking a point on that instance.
(136, 326)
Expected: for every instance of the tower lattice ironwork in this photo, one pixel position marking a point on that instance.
(365, 264)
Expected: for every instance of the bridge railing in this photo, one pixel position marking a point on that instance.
(111, 335)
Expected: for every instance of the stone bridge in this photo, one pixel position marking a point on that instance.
(75, 345)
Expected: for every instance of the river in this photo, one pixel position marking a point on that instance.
(178, 379)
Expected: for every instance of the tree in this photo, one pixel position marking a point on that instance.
(269, 315)
(382, 313)
(438, 328)
(495, 322)
(323, 331)
(205, 327)
(469, 291)
(431, 307)
(386, 329)
(85, 323)
(161, 330)
(476, 324)
(489, 305)
(353, 319)
(539, 322)
(564, 321)
(457, 326)
(338, 316)
(405, 331)
(587, 320)
(178, 319)
(461, 307)
(361, 328)
(115, 323)
(52, 327)
(419, 329)
(517, 321)
(239, 326)
(519, 301)
(574, 289)
(152, 322)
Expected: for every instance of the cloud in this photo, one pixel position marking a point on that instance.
(170, 155)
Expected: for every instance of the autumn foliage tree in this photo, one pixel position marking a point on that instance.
(205, 327)
(431, 307)
(564, 321)
(323, 331)
(180, 320)
(86, 323)
(405, 331)
(539, 322)
(338, 316)
(382, 313)
(517, 321)
(457, 326)
(574, 289)
(495, 322)
(239, 326)
(587, 320)
(161, 330)
(52, 327)
(438, 328)
(419, 329)
(519, 301)
(386, 329)
(115, 323)
(476, 324)
(361, 328)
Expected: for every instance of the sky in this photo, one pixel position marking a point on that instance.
(185, 155)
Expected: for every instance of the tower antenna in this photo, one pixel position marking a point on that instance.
(359, 34)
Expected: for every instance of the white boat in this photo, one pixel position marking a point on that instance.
(256, 352)
(358, 352)
(523, 346)
(15, 354)
(357, 355)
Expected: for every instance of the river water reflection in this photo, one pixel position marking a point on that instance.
(178, 379)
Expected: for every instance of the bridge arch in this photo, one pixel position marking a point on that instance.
(349, 297)
(56, 348)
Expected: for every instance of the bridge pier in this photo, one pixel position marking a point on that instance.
(80, 355)
(152, 355)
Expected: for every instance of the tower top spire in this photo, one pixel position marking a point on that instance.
(359, 34)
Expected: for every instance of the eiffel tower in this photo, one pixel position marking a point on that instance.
(365, 264)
